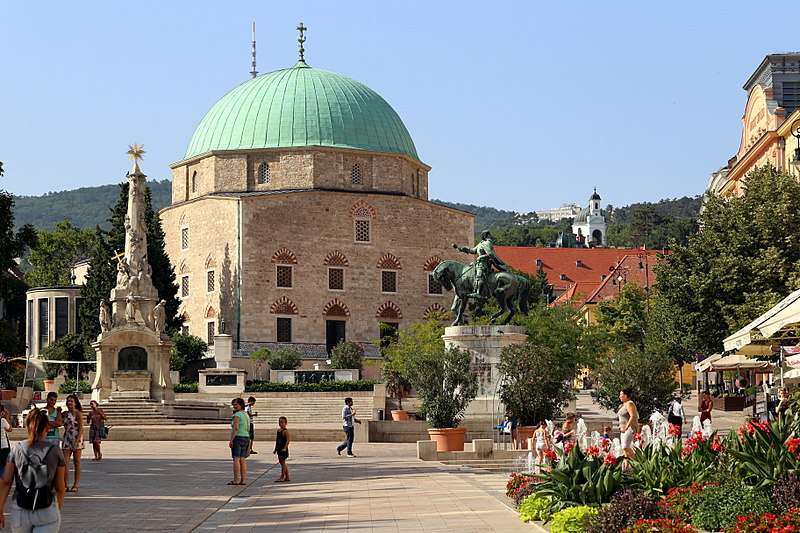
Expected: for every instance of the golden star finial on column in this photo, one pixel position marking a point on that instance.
(136, 153)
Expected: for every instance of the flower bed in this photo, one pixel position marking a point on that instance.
(745, 482)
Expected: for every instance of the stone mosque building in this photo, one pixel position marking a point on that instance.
(300, 216)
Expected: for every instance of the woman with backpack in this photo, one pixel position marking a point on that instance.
(36, 466)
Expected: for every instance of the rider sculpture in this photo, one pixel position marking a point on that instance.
(483, 263)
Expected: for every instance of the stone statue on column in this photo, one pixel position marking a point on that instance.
(158, 317)
(104, 317)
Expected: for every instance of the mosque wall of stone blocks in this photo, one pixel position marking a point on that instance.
(312, 226)
(238, 171)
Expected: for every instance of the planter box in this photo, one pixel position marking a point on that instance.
(8, 394)
(729, 403)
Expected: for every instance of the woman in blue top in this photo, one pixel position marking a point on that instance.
(240, 442)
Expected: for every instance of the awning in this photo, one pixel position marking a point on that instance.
(792, 375)
(705, 364)
(793, 361)
(738, 362)
(786, 312)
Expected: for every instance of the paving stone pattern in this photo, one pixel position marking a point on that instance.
(180, 486)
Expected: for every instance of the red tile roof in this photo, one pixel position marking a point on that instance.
(632, 269)
(564, 262)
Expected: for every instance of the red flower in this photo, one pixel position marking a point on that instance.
(716, 445)
(610, 459)
(637, 437)
(568, 447)
(674, 430)
(550, 455)
(605, 444)
(594, 451)
(793, 445)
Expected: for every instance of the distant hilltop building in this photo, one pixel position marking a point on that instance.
(770, 125)
(589, 226)
(559, 213)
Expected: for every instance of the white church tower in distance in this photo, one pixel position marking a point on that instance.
(590, 225)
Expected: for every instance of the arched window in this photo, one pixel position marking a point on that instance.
(355, 174)
(263, 173)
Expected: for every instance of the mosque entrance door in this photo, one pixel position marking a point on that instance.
(334, 333)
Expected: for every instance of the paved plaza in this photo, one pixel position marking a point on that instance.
(180, 486)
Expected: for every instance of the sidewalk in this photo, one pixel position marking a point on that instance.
(180, 486)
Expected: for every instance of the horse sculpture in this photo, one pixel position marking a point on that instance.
(509, 290)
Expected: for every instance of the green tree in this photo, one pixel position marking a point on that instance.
(260, 359)
(12, 245)
(651, 376)
(625, 317)
(746, 258)
(529, 393)
(70, 347)
(445, 384)
(56, 252)
(186, 349)
(347, 355)
(100, 279)
(285, 359)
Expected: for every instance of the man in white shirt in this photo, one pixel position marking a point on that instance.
(348, 417)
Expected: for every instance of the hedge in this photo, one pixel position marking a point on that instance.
(185, 387)
(324, 386)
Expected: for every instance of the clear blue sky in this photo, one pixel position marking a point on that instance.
(641, 99)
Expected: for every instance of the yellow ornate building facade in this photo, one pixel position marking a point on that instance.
(770, 124)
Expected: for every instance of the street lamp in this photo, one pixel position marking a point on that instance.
(795, 130)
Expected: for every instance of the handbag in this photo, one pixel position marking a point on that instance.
(103, 431)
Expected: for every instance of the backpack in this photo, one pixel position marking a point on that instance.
(32, 484)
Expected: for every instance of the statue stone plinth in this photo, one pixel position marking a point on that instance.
(485, 344)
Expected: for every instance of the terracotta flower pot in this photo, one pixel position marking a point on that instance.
(399, 415)
(448, 439)
(8, 394)
(50, 385)
(523, 434)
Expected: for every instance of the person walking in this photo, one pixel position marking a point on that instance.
(5, 443)
(97, 423)
(54, 417)
(282, 449)
(72, 443)
(568, 429)
(251, 412)
(628, 418)
(348, 418)
(39, 492)
(706, 406)
(240, 442)
(676, 414)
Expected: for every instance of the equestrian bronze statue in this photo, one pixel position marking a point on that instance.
(479, 281)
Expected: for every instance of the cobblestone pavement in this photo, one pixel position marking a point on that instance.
(180, 486)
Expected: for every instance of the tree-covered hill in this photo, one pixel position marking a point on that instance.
(84, 208)
(652, 224)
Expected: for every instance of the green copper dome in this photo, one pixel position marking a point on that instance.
(301, 106)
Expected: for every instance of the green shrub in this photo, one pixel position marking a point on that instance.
(445, 384)
(324, 386)
(572, 519)
(186, 349)
(580, 479)
(347, 355)
(70, 347)
(717, 506)
(625, 509)
(284, 359)
(535, 507)
(185, 387)
(68, 387)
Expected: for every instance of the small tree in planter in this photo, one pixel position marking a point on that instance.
(347, 355)
(446, 385)
(397, 385)
(536, 384)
